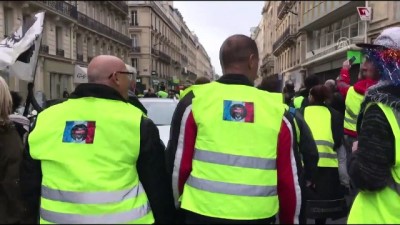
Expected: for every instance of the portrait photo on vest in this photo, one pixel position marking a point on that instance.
(81, 132)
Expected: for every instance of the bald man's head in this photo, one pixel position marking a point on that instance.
(100, 68)
(111, 71)
(237, 49)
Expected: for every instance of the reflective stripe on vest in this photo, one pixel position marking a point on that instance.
(298, 101)
(91, 197)
(318, 119)
(234, 163)
(114, 218)
(235, 160)
(90, 180)
(353, 106)
(382, 206)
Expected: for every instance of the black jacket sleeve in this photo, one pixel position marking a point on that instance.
(307, 148)
(370, 165)
(153, 174)
(337, 128)
(31, 180)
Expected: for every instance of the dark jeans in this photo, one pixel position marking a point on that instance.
(348, 143)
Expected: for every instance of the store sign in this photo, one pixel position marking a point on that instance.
(154, 73)
(138, 80)
(364, 13)
(156, 82)
(80, 75)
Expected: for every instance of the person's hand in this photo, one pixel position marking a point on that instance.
(346, 65)
(355, 146)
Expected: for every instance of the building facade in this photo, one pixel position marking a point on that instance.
(308, 37)
(164, 50)
(329, 36)
(73, 33)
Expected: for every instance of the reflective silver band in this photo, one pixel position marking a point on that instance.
(351, 114)
(327, 155)
(350, 120)
(91, 197)
(231, 189)
(234, 160)
(115, 218)
(325, 143)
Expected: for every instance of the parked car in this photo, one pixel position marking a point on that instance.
(160, 111)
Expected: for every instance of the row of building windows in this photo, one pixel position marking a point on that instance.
(348, 27)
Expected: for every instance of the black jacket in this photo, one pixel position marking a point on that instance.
(307, 148)
(151, 166)
(135, 102)
(370, 166)
(11, 147)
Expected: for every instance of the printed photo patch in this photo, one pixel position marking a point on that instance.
(81, 132)
(238, 111)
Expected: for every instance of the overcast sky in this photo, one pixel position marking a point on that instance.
(214, 21)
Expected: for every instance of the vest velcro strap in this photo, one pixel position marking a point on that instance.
(232, 189)
(115, 218)
(325, 143)
(327, 155)
(351, 113)
(91, 197)
(234, 160)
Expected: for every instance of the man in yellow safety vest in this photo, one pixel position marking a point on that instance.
(101, 160)
(230, 155)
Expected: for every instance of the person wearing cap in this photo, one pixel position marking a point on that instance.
(353, 96)
(374, 165)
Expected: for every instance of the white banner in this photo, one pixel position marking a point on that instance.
(20, 41)
(80, 75)
(25, 70)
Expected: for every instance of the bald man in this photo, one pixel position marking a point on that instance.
(101, 159)
(230, 154)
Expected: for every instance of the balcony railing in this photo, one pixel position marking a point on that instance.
(120, 5)
(90, 23)
(61, 7)
(136, 49)
(60, 52)
(287, 35)
(165, 58)
(79, 57)
(44, 49)
(155, 52)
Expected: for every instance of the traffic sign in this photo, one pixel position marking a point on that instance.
(364, 13)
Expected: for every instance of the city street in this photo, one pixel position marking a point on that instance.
(131, 111)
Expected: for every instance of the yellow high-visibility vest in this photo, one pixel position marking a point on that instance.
(383, 206)
(297, 101)
(318, 119)
(234, 165)
(89, 168)
(353, 107)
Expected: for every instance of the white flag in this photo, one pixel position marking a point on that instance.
(20, 47)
